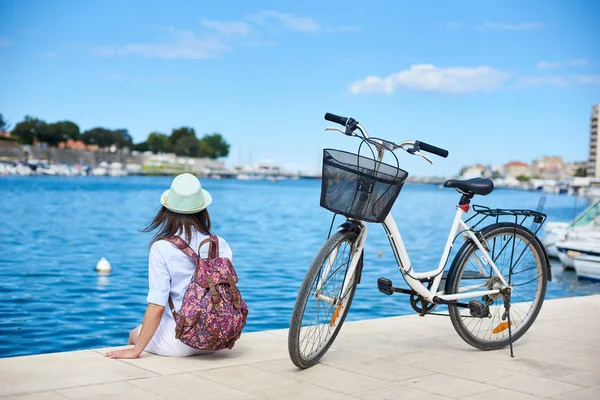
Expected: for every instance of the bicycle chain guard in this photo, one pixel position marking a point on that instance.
(421, 305)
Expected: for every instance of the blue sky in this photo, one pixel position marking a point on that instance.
(491, 82)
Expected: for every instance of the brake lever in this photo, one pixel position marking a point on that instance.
(415, 152)
(424, 156)
(331, 128)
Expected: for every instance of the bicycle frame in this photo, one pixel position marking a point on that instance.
(413, 279)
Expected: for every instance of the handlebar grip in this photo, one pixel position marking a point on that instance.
(336, 118)
(432, 149)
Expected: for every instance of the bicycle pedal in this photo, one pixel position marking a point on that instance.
(385, 286)
(478, 309)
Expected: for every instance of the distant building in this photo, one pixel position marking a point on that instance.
(513, 169)
(594, 159)
(549, 167)
(472, 171)
(173, 163)
(5, 135)
(77, 145)
(572, 168)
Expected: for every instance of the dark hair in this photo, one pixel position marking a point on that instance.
(169, 223)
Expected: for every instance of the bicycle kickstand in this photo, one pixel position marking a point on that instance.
(506, 316)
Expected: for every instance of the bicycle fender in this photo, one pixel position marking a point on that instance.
(460, 254)
(351, 226)
(356, 228)
(537, 239)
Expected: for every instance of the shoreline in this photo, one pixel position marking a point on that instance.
(368, 360)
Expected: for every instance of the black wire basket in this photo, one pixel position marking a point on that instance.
(359, 187)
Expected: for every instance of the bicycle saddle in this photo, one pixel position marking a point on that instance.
(480, 186)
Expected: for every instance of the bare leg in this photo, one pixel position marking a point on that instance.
(133, 335)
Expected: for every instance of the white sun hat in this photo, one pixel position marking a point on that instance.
(186, 195)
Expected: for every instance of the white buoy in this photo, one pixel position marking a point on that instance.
(103, 266)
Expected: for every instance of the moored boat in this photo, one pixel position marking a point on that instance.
(587, 267)
(568, 250)
(585, 225)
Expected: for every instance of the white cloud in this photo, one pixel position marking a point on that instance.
(288, 21)
(580, 62)
(5, 41)
(228, 28)
(426, 77)
(180, 44)
(523, 26)
(217, 37)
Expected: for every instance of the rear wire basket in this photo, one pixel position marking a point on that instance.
(359, 187)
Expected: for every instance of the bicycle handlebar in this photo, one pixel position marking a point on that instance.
(336, 118)
(432, 149)
(352, 124)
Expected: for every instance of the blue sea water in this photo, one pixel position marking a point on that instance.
(54, 230)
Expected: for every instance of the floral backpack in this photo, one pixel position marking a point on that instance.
(213, 313)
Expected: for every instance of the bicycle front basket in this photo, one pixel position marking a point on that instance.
(359, 187)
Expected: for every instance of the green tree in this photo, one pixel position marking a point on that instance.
(66, 130)
(187, 146)
(105, 137)
(122, 138)
(523, 178)
(101, 137)
(179, 133)
(159, 143)
(4, 125)
(581, 172)
(143, 146)
(31, 128)
(213, 146)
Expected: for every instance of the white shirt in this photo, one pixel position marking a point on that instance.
(169, 274)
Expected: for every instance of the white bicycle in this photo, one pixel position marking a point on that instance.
(496, 263)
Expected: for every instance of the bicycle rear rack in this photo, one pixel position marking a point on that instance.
(519, 217)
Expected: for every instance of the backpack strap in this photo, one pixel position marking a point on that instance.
(235, 293)
(187, 250)
(213, 249)
(214, 293)
(183, 246)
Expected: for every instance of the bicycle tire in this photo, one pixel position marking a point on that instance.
(459, 264)
(294, 339)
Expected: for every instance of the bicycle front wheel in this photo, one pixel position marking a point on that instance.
(521, 260)
(323, 303)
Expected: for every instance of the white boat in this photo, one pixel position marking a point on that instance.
(558, 231)
(99, 171)
(249, 177)
(47, 170)
(10, 169)
(554, 233)
(568, 250)
(23, 169)
(588, 267)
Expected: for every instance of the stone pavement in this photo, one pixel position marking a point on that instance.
(405, 357)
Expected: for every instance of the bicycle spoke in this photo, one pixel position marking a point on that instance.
(515, 259)
(316, 325)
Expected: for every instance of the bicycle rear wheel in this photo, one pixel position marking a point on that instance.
(522, 262)
(321, 307)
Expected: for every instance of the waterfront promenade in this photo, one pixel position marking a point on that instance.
(406, 357)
